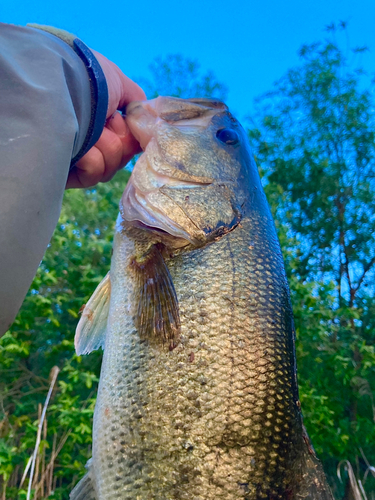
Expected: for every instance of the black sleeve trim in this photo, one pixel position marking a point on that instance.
(99, 98)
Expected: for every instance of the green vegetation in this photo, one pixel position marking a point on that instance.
(313, 137)
(180, 77)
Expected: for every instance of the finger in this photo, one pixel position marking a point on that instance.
(130, 145)
(118, 125)
(73, 180)
(111, 148)
(114, 150)
(88, 171)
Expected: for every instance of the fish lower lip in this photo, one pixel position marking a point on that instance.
(131, 107)
(142, 225)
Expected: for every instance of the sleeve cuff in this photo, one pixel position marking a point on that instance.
(98, 88)
(99, 98)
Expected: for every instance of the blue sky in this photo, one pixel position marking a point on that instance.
(248, 44)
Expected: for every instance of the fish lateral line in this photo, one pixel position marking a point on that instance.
(157, 316)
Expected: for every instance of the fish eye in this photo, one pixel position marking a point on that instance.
(228, 136)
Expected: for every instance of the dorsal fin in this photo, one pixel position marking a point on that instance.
(91, 328)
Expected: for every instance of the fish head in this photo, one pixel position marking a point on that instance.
(191, 182)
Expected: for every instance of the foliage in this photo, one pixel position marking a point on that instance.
(178, 76)
(314, 140)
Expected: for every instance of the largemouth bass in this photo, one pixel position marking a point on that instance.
(198, 396)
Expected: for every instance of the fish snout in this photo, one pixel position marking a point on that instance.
(137, 108)
(141, 117)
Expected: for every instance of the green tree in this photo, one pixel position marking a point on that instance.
(179, 76)
(314, 140)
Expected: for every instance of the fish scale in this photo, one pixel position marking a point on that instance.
(214, 415)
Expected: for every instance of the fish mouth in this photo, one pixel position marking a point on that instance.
(142, 116)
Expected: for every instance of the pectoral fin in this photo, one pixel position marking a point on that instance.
(91, 328)
(84, 490)
(157, 317)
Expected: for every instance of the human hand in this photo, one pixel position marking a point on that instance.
(116, 146)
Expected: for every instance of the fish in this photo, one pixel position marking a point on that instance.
(198, 395)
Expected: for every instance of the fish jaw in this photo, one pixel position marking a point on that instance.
(143, 116)
(186, 183)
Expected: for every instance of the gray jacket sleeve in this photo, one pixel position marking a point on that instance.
(45, 110)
